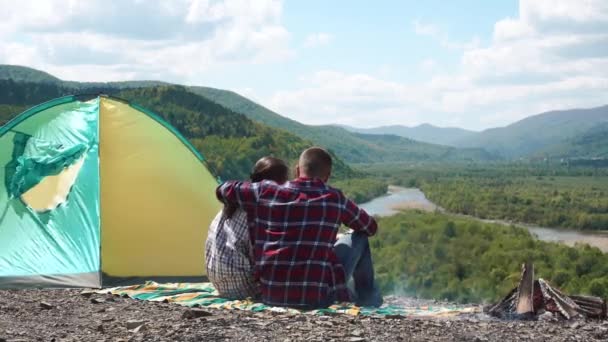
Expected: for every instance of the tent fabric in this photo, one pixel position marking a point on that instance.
(60, 242)
(165, 189)
(99, 187)
(40, 159)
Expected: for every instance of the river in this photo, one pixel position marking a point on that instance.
(399, 198)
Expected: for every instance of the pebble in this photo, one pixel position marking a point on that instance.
(195, 313)
(46, 305)
(357, 333)
(133, 324)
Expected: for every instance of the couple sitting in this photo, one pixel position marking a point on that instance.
(276, 240)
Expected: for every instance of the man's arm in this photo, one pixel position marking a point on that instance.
(237, 192)
(357, 219)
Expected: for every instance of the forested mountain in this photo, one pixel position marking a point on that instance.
(24, 74)
(230, 141)
(571, 133)
(353, 147)
(590, 144)
(426, 133)
(543, 132)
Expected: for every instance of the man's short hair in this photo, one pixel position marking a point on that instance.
(315, 162)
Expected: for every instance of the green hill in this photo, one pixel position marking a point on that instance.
(353, 147)
(588, 145)
(22, 73)
(230, 141)
(538, 133)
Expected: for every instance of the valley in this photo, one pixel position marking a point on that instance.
(399, 199)
(556, 179)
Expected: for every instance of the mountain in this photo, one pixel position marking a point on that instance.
(426, 133)
(537, 133)
(347, 145)
(353, 147)
(588, 145)
(24, 74)
(230, 141)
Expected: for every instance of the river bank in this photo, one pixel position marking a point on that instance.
(400, 198)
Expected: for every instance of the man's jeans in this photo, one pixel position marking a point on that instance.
(354, 254)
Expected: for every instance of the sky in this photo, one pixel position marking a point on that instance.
(468, 63)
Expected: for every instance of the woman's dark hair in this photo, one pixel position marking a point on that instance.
(267, 168)
(270, 168)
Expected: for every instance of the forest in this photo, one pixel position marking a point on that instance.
(550, 195)
(459, 259)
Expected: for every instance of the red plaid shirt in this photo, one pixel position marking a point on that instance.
(293, 227)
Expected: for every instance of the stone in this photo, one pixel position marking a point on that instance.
(195, 313)
(394, 316)
(98, 300)
(46, 305)
(87, 293)
(139, 328)
(133, 324)
(575, 325)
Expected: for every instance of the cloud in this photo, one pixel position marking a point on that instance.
(429, 64)
(553, 55)
(433, 31)
(348, 99)
(317, 39)
(172, 39)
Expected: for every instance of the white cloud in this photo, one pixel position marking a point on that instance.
(436, 33)
(172, 39)
(317, 39)
(429, 64)
(553, 55)
(329, 96)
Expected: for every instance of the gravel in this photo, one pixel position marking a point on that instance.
(65, 315)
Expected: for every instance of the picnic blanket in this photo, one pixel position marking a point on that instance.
(205, 295)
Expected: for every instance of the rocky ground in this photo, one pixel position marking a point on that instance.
(66, 315)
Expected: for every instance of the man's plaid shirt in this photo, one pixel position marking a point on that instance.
(294, 227)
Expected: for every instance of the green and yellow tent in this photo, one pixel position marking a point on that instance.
(97, 190)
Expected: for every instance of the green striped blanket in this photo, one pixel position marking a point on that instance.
(205, 295)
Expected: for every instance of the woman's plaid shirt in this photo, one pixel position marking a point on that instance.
(229, 256)
(294, 228)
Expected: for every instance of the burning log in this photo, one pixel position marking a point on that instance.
(533, 297)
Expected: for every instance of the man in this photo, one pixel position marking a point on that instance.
(294, 227)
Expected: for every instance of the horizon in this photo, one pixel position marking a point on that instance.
(328, 124)
(470, 65)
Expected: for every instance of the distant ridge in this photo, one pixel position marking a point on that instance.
(424, 132)
(572, 133)
(26, 74)
(353, 147)
(542, 132)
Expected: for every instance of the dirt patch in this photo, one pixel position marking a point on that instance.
(65, 315)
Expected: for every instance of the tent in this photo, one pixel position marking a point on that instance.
(96, 190)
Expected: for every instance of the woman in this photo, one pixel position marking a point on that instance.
(228, 249)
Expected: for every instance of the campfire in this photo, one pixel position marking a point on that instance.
(532, 298)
